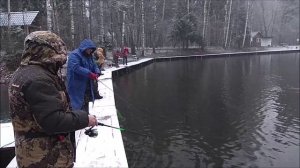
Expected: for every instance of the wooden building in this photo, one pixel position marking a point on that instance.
(258, 40)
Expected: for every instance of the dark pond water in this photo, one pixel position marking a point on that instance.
(4, 108)
(217, 112)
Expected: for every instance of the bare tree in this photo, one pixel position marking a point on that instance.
(246, 23)
(204, 18)
(289, 12)
(227, 21)
(162, 30)
(101, 23)
(72, 24)
(143, 28)
(8, 16)
(55, 15)
(123, 28)
(9, 26)
(188, 6)
(267, 20)
(163, 10)
(89, 10)
(264, 19)
(143, 24)
(154, 26)
(133, 29)
(83, 16)
(49, 14)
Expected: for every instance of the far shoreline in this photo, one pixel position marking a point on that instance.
(175, 52)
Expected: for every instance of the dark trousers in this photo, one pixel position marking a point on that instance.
(116, 61)
(124, 60)
(87, 97)
(86, 101)
(73, 141)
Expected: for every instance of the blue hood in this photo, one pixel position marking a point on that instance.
(78, 69)
(85, 44)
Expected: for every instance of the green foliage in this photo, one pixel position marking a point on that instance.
(196, 37)
(185, 32)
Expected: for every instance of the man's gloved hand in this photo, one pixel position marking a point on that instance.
(93, 76)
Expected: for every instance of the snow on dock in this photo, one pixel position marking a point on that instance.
(107, 149)
(7, 135)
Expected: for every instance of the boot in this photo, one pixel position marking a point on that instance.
(97, 96)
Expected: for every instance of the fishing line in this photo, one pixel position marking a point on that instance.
(137, 154)
(129, 105)
(87, 132)
(138, 151)
(7, 144)
(121, 97)
(139, 110)
(93, 133)
(145, 110)
(123, 129)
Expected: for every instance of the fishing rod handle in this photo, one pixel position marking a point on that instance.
(101, 124)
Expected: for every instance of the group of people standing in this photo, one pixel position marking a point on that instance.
(120, 53)
(45, 112)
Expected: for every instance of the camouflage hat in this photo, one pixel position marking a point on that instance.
(44, 47)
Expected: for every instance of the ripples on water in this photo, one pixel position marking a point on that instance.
(218, 112)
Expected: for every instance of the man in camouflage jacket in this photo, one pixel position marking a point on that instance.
(40, 110)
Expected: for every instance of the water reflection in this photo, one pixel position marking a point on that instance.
(220, 112)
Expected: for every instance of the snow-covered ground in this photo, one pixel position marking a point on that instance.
(7, 135)
(282, 48)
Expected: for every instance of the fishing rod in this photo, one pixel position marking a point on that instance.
(94, 133)
(135, 108)
(7, 144)
(129, 104)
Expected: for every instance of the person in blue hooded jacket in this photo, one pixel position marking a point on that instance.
(81, 73)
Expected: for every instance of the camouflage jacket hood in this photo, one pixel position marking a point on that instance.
(46, 49)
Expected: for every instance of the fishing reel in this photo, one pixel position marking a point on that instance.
(91, 132)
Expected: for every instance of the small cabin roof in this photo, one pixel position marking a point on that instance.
(255, 33)
(18, 18)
